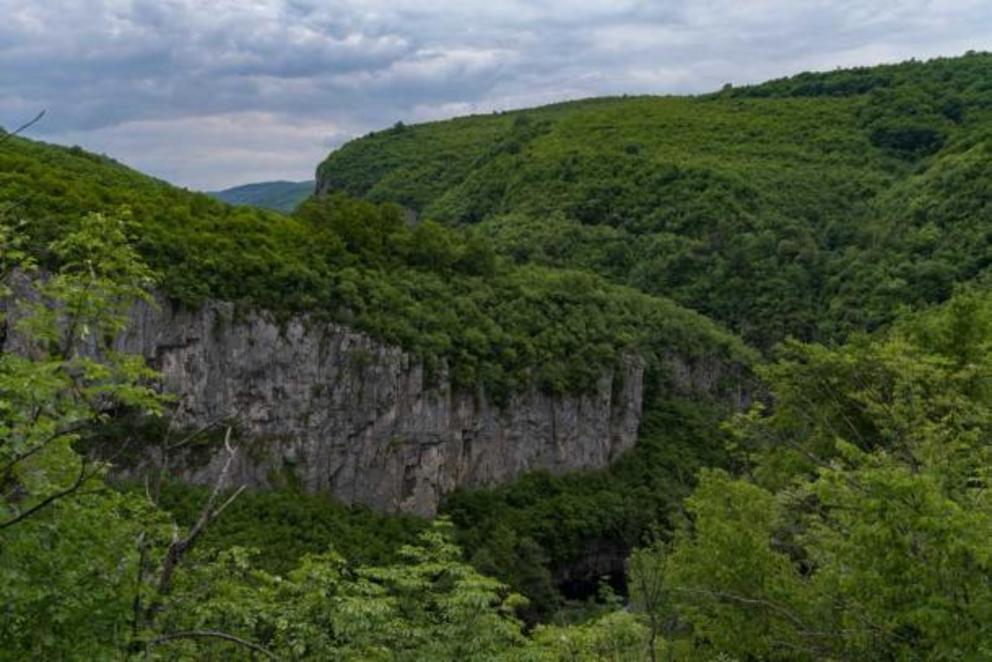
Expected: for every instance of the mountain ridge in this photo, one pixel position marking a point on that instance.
(770, 208)
(279, 195)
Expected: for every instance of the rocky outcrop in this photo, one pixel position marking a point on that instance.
(334, 410)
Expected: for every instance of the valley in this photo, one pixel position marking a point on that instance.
(632, 376)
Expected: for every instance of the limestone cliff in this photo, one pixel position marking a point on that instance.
(336, 411)
(339, 412)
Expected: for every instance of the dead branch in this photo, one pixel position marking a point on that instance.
(81, 479)
(208, 634)
(55, 496)
(180, 546)
(24, 127)
(164, 461)
(196, 433)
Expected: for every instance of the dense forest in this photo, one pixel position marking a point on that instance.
(828, 235)
(807, 207)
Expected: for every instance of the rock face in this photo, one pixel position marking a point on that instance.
(333, 410)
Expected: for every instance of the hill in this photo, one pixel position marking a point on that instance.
(437, 292)
(810, 206)
(281, 195)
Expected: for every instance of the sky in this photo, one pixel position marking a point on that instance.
(213, 93)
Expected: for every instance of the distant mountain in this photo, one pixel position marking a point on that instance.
(281, 196)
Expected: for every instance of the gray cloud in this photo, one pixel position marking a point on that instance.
(209, 94)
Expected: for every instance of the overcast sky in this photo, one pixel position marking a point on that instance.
(212, 93)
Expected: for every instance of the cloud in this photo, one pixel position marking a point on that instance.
(215, 93)
(203, 151)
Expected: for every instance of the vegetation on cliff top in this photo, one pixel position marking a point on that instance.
(437, 292)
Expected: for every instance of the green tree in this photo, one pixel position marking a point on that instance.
(430, 605)
(617, 636)
(863, 532)
(60, 373)
(67, 549)
(648, 594)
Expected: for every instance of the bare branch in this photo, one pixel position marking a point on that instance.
(23, 127)
(229, 501)
(51, 498)
(208, 634)
(196, 433)
(80, 480)
(180, 546)
(164, 461)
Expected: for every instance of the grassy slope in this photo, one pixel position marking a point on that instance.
(777, 209)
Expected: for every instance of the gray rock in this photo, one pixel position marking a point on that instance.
(346, 414)
(333, 410)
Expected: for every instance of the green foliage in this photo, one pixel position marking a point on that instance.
(67, 377)
(864, 532)
(427, 606)
(778, 209)
(960, 79)
(430, 606)
(437, 292)
(78, 561)
(286, 525)
(617, 636)
(936, 236)
(533, 534)
(857, 527)
(66, 543)
(442, 293)
(67, 577)
(649, 595)
(537, 532)
(727, 579)
(908, 108)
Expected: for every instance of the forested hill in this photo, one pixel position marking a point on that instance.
(437, 292)
(809, 206)
(280, 196)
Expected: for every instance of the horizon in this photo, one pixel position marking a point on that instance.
(247, 94)
(312, 177)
